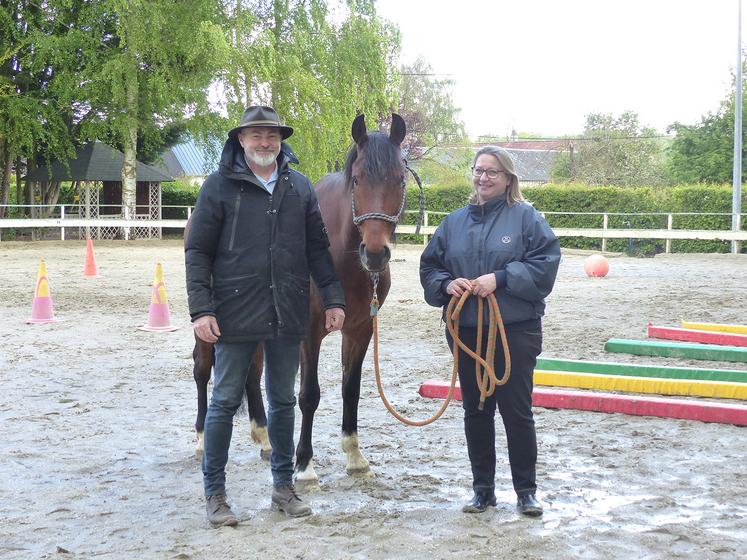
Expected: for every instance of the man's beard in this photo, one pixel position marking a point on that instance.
(261, 159)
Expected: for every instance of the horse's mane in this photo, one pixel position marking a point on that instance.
(383, 159)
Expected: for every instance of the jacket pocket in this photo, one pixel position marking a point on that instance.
(293, 303)
(242, 305)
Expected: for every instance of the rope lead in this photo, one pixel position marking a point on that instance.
(487, 381)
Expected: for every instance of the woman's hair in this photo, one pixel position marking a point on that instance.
(513, 190)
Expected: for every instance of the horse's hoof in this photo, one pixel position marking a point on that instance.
(307, 486)
(264, 454)
(360, 472)
(307, 480)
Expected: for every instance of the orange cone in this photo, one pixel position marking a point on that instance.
(42, 310)
(158, 314)
(90, 270)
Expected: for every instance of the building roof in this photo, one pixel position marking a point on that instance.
(531, 165)
(557, 145)
(95, 162)
(534, 165)
(190, 159)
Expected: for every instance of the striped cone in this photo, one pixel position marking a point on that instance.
(158, 314)
(42, 310)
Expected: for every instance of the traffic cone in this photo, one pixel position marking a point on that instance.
(41, 309)
(90, 270)
(158, 314)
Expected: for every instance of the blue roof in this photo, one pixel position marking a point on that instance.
(190, 159)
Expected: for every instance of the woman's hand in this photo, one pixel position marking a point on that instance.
(484, 285)
(458, 286)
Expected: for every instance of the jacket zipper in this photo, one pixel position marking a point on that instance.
(273, 285)
(236, 207)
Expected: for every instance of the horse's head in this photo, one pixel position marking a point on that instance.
(376, 173)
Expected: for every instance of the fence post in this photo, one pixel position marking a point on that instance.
(425, 224)
(670, 221)
(62, 222)
(605, 223)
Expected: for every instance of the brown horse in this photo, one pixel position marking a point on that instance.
(361, 207)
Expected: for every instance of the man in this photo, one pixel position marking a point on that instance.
(255, 237)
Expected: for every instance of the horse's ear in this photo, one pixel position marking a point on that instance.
(359, 129)
(398, 129)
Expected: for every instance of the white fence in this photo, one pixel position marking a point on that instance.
(64, 218)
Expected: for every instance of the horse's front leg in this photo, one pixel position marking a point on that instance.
(255, 405)
(354, 346)
(203, 357)
(308, 402)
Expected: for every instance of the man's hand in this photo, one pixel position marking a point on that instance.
(458, 287)
(206, 329)
(484, 285)
(334, 318)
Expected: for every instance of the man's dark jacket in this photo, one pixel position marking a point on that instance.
(249, 254)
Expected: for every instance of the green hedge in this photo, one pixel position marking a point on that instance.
(625, 202)
(177, 194)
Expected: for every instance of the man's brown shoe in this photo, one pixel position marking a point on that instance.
(219, 513)
(285, 499)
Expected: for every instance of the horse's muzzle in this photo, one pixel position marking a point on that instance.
(374, 262)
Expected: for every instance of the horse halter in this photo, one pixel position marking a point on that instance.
(393, 219)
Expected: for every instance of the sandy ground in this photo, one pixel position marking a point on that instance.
(98, 444)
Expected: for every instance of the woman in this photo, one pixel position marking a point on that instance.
(496, 244)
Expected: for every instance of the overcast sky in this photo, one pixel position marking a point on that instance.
(540, 66)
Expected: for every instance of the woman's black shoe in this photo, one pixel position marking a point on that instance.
(528, 505)
(480, 502)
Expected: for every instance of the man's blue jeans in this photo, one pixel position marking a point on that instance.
(232, 361)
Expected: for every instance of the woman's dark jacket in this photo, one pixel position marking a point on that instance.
(513, 242)
(249, 254)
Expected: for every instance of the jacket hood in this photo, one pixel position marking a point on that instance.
(233, 165)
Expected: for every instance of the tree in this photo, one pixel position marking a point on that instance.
(426, 104)
(152, 66)
(613, 151)
(318, 71)
(705, 152)
(34, 116)
(129, 71)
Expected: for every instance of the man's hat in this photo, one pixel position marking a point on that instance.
(260, 115)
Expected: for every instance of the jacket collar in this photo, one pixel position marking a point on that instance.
(478, 211)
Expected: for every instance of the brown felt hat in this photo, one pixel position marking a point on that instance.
(260, 115)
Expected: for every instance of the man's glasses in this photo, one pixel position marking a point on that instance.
(491, 173)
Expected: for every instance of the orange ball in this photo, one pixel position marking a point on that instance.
(596, 266)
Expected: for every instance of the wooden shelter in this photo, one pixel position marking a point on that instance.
(97, 169)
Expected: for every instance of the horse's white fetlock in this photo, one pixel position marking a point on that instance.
(200, 447)
(260, 436)
(357, 463)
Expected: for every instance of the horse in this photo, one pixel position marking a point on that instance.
(360, 206)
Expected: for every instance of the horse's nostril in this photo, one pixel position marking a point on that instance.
(374, 262)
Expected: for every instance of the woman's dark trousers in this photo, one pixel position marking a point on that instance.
(514, 402)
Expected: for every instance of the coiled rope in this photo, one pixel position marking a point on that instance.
(486, 380)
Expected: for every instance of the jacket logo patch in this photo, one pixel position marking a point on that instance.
(506, 239)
